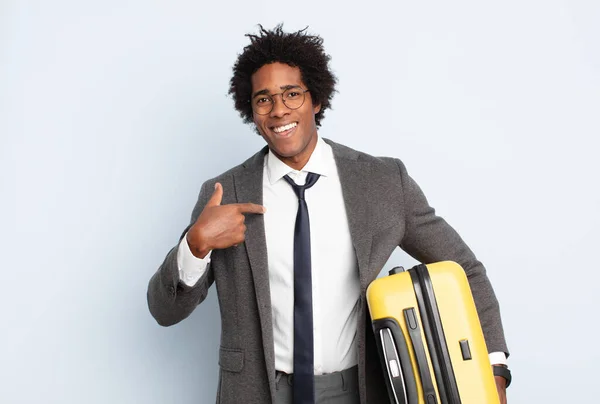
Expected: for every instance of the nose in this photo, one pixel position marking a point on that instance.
(279, 108)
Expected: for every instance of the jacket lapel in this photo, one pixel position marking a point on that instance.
(354, 178)
(248, 188)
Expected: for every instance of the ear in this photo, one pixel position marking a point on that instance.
(316, 108)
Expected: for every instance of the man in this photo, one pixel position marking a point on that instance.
(292, 238)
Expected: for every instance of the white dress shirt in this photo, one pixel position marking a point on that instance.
(335, 279)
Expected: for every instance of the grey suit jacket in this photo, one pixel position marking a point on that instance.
(385, 208)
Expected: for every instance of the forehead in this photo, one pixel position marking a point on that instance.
(274, 76)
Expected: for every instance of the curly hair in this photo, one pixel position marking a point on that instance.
(296, 49)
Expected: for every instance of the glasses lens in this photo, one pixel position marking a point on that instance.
(293, 98)
(262, 104)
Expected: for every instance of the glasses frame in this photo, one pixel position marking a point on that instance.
(272, 96)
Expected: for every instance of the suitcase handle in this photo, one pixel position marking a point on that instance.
(394, 353)
(414, 333)
(393, 367)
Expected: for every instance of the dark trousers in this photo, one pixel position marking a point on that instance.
(333, 388)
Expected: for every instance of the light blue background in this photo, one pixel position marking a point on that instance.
(113, 113)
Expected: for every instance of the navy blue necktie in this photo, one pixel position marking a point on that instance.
(304, 375)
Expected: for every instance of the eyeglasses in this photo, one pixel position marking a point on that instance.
(293, 98)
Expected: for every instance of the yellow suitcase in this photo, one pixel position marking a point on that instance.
(429, 337)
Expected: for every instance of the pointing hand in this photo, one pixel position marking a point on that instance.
(220, 226)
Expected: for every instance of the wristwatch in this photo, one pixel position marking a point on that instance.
(502, 371)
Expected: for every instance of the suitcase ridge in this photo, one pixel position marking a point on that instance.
(434, 333)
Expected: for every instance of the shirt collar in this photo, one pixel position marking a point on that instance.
(320, 162)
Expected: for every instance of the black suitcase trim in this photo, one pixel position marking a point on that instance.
(434, 334)
(414, 333)
(402, 391)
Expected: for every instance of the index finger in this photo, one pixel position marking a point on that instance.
(250, 208)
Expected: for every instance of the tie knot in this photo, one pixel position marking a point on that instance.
(311, 179)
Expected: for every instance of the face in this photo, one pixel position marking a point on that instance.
(290, 133)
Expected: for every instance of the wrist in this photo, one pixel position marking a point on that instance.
(196, 243)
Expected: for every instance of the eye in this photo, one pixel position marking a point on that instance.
(293, 94)
(262, 100)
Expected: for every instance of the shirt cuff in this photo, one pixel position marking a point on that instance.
(191, 268)
(498, 358)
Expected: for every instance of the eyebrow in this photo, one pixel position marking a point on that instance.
(284, 88)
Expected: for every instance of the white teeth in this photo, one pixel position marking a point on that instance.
(286, 127)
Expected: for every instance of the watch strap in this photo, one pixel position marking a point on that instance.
(503, 371)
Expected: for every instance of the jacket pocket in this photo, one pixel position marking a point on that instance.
(231, 359)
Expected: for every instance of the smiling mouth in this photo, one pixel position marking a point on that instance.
(285, 130)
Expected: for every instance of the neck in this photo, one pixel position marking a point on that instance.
(298, 161)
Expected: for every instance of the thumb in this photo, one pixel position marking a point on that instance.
(217, 196)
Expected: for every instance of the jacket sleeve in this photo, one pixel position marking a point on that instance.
(429, 238)
(169, 299)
